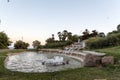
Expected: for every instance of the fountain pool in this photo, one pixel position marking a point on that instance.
(40, 62)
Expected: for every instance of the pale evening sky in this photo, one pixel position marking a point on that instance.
(38, 19)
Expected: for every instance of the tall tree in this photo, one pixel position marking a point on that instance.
(64, 35)
(53, 36)
(60, 36)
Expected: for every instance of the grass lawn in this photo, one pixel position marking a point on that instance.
(114, 51)
(86, 73)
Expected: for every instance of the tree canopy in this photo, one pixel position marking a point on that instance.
(36, 44)
(4, 40)
(21, 45)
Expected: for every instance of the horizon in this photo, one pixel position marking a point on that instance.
(39, 19)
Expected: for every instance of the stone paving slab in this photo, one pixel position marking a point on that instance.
(94, 53)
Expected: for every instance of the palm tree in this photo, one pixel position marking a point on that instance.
(64, 35)
(60, 36)
(53, 36)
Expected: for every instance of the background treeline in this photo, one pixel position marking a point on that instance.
(67, 38)
(94, 40)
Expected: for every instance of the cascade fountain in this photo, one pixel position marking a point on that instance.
(43, 62)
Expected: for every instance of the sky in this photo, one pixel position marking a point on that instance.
(37, 19)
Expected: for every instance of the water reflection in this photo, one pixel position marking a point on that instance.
(32, 62)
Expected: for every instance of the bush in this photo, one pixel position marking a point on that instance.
(57, 44)
(102, 42)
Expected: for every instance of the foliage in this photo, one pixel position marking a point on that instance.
(36, 44)
(113, 32)
(50, 40)
(102, 42)
(94, 33)
(69, 36)
(4, 40)
(101, 34)
(60, 36)
(118, 28)
(53, 36)
(65, 35)
(87, 34)
(57, 44)
(21, 45)
(74, 38)
(65, 38)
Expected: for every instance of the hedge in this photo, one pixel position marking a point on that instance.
(102, 42)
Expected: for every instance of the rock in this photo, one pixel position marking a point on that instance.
(92, 60)
(106, 60)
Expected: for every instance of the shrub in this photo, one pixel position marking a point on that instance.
(57, 44)
(101, 42)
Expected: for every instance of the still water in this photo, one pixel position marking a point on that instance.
(33, 62)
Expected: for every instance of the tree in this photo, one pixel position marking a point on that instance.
(53, 36)
(69, 36)
(113, 32)
(49, 40)
(64, 35)
(94, 33)
(86, 34)
(4, 40)
(60, 36)
(21, 45)
(36, 44)
(75, 38)
(118, 28)
(101, 34)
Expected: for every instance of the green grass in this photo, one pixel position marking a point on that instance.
(86, 73)
(113, 51)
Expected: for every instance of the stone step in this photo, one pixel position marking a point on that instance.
(94, 53)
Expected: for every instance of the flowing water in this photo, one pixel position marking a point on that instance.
(33, 62)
